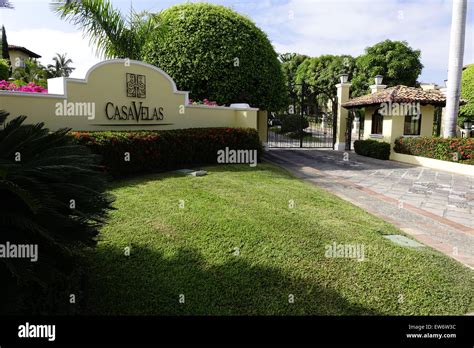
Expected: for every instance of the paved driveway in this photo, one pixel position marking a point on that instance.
(435, 207)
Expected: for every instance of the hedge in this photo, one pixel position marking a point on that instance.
(218, 54)
(292, 123)
(372, 148)
(450, 149)
(152, 151)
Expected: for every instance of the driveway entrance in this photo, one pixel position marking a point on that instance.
(435, 207)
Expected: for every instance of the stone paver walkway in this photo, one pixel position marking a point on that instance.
(435, 207)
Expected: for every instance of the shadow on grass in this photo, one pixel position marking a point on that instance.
(270, 168)
(148, 283)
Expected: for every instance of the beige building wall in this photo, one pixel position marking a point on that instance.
(105, 88)
(17, 58)
(393, 126)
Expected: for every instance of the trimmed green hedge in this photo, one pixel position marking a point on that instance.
(152, 151)
(291, 123)
(216, 53)
(372, 148)
(443, 149)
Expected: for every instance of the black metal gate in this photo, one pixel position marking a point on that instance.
(304, 125)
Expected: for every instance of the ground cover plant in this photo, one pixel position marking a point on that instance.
(246, 241)
(372, 148)
(53, 195)
(151, 151)
(459, 150)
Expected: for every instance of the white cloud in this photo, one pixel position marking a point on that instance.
(316, 27)
(47, 43)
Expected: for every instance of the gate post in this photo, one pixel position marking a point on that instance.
(343, 90)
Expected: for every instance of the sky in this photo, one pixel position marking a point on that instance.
(311, 27)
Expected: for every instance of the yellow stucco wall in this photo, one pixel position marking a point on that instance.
(16, 57)
(106, 83)
(393, 125)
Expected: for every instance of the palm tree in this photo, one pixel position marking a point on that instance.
(6, 4)
(456, 54)
(61, 66)
(41, 173)
(31, 72)
(112, 34)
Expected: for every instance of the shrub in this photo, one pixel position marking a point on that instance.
(4, 69)
(41, 172)
(216, 53)
(467, 92)
(21, 87)
(152, 151)
(292, 123)
(372, 148)
(451, 149)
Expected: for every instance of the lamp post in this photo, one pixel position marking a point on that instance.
(378, 80)
(344, 78)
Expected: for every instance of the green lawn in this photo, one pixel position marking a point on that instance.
(191, 251)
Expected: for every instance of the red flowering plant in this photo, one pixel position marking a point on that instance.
(29, 88)
(459, 150)
(152, 151)
(203, 102)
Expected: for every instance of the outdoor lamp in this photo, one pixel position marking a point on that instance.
(378, 80)
(344, 78)
(446, 83)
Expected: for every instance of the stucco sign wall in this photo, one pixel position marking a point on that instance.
(121, 95)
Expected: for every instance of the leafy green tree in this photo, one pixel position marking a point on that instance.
(4, 45)
(4, 69)
(109, 31)
(397, 62)
(209, 50)
(466, 112)
(217, 54)
(289, 64)
(61, 67)
(53, 195)
(323, 73)
(31, 72)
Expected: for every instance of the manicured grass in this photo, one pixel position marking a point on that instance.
(191, 251)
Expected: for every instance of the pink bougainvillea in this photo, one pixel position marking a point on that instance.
(204, 102)
(29, 88)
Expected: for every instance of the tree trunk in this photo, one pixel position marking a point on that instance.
(456, 54)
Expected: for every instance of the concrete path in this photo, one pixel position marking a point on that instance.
(434, 207)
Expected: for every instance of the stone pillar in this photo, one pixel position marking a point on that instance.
(262, 125)
(343, 90)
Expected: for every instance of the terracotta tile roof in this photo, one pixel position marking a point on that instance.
(400, 94)
(24, 50)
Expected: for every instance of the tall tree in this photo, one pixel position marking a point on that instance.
(61, 67)
(289, 64)
(31, 72)
(396, 61)
(4, 45)
(113, 35)
(321, 74)
(456, 54)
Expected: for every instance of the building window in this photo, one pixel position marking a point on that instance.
(412, 122)
(377, 123)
